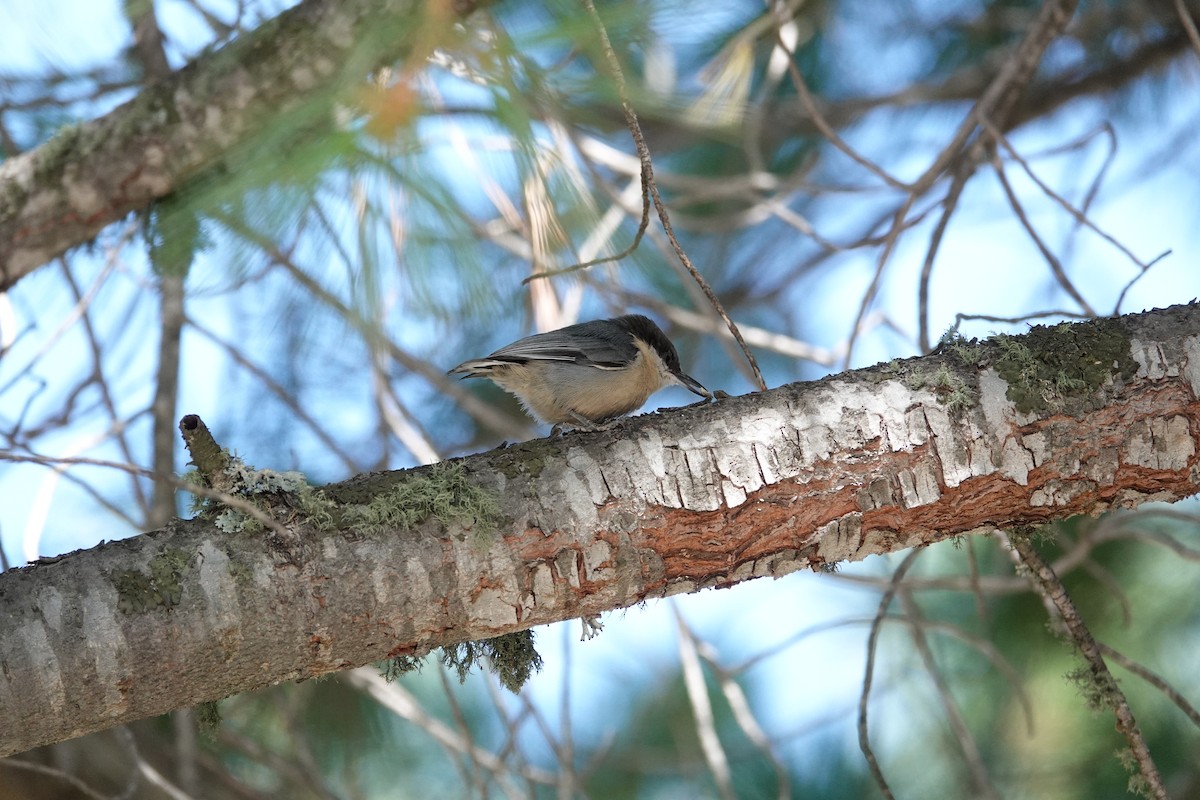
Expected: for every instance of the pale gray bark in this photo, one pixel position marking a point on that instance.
(806, 475)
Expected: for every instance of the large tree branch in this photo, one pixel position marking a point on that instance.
(285, 73)
(861, 463)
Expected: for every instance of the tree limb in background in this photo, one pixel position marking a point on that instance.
(206, 116)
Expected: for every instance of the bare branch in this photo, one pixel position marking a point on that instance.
(697, 692)
(1102, 683)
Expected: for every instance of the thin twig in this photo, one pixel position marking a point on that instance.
(739, 704)
(643, 151)
(864, 740)
(570, 780)
(949, 204)
(1189, 25)
(185, 749)
(512, 724)
(402, 703)
(166, 396)
(976, 592)
(892, 237)
(145, 770)
(469, 768)
(481, 411)
(962, 733)
(827, 130)
(996, 103)
(1051, 589)
(1078, 215)
(99, 378)
(759, 337)
(58, 774)
(1056, 312)
(702, 712)
(1125, 290)
(1056, 267)
(247, 508)
(1154, 680)
(283, 394)
(42, 500)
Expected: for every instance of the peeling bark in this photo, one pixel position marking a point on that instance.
(802, 476)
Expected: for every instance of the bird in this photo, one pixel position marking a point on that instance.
(585, 375)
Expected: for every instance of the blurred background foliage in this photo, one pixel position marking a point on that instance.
(335, 265)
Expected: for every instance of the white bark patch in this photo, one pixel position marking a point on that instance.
(820, 413)
(153, 176)
(1152, 362)
(245, 92)
(916, 426)
(679, 587)
(741, 572)
(415, 578)
(1014, 459)
(18, 173)
(980, 447)
(589, 474)
(839, 540)
(694, 484)
(304, 78)
(919, 487)
(564, 568)
(580, 510)
(779, 564)
(1059, 492)
(383, 580)
(765, 461)
(338, 30)
(106, 646)
(767, 425)
(1191, 364)
(544, 594)
(706, 437)
(41, 203)
(700, 492)
(650, 445)
(491, 609)
(897, 426)
(1036, 446)
(497, 603)
(624, 455)
(39, 666)
(597, 564)
(1160, 444)
(1102, 467)
(956, 462)
(738, 469)
(82, 195)
(49, 603)
(216, 129)
(217, 584)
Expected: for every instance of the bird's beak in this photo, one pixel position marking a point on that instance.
(691, 384)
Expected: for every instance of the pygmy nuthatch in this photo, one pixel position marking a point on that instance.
(585, 374)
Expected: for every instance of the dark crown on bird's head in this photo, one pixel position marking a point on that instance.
(645, 329)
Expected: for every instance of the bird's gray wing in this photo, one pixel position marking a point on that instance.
(563, 345)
